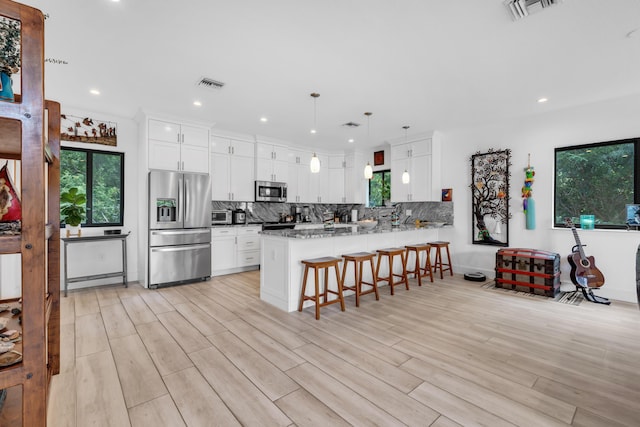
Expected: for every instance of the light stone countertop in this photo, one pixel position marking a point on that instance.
(318, 233)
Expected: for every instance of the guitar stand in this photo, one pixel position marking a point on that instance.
(590, 296)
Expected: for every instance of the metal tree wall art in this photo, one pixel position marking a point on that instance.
(490, 197)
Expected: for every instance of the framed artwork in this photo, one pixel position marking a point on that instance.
(490, 197)
(86, 129)
(378, 158)
(447, 194)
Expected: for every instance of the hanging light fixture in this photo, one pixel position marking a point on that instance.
(405, 175)
(368, 170)
(315, 164)
(315, 96)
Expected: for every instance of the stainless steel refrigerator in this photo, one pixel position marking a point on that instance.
(179, 227)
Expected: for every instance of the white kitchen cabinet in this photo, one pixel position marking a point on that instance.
(175, 146)
(234, 249)
(355, 184)
(298, 176)
(336, 192)
(271, 162)
(232, 169)
(319, 182)
(415, 158)
(223, 249)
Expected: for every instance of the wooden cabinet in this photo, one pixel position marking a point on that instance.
(234, 249)
(23, 138)
(232, 169)
(271, 162)
(415, 158)
(175, 146)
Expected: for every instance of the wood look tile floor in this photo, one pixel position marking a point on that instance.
(449, 353)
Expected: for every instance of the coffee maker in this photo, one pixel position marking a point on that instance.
(306, 214)
(296, 213)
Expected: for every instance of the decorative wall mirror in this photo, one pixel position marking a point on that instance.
(490, 197)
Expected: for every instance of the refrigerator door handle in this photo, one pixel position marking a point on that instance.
(186, 196)
(179, 248)
(177, 232)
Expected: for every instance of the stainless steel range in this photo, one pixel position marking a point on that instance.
(179, 227)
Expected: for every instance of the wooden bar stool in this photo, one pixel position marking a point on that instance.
(358, 259)
(316, 264)
(438, 262)
(389, 254)
(419, 271)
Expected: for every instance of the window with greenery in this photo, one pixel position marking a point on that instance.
(380, 188)
(597, 179)
(99, 175)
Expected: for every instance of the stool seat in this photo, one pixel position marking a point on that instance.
(390, 253)
(316, 264)
(439, 263)
(358, 259)
(419, 271)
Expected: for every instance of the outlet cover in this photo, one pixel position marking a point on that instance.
(408, 212)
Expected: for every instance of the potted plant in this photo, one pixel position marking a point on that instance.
(72, 210)
(9, 55)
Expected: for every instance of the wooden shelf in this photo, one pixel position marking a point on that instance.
(22, 137)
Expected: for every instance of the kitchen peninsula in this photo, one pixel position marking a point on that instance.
(280, 268)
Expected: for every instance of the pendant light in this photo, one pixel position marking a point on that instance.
(405, 175)
(368, 170)
(314, 165)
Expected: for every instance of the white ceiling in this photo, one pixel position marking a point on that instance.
(430, 64)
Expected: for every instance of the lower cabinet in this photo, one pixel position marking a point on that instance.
(234, 249)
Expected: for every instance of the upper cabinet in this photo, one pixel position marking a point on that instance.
(232, 173)
(355, 184)
(415, 158)
(298, 176)
(337, 179)
(175, 146)
(271, 162)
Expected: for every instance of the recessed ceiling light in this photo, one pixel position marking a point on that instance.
(197, 103)
(94, 92)
(264, 119)
(313, 131)
(351, 140)
(542, 100)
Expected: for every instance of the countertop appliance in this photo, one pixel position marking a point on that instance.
(239, 216)
(268, 191)
(296, 213)
(179, 227)
(306, 214)
(221, 216)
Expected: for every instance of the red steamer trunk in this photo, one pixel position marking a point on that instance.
(529, 270)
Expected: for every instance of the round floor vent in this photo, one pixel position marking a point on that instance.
(475, 277)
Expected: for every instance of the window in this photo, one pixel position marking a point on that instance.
(379, 188)
(597, 179)
(100, 175)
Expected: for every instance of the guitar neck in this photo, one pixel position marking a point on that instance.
(578, 243)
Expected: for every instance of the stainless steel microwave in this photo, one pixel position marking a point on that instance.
(220, 217)
(267, 191)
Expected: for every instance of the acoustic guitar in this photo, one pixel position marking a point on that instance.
(584, 272)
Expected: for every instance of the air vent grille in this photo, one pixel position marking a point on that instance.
(210, 83)
(522, 8)
(351, 124)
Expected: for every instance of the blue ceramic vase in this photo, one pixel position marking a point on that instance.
(6, 91)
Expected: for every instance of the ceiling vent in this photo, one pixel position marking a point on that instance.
(521, 8)
(351, 124)
(210, 83)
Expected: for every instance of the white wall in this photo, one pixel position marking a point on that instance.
(96, 258)
(614, 250)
